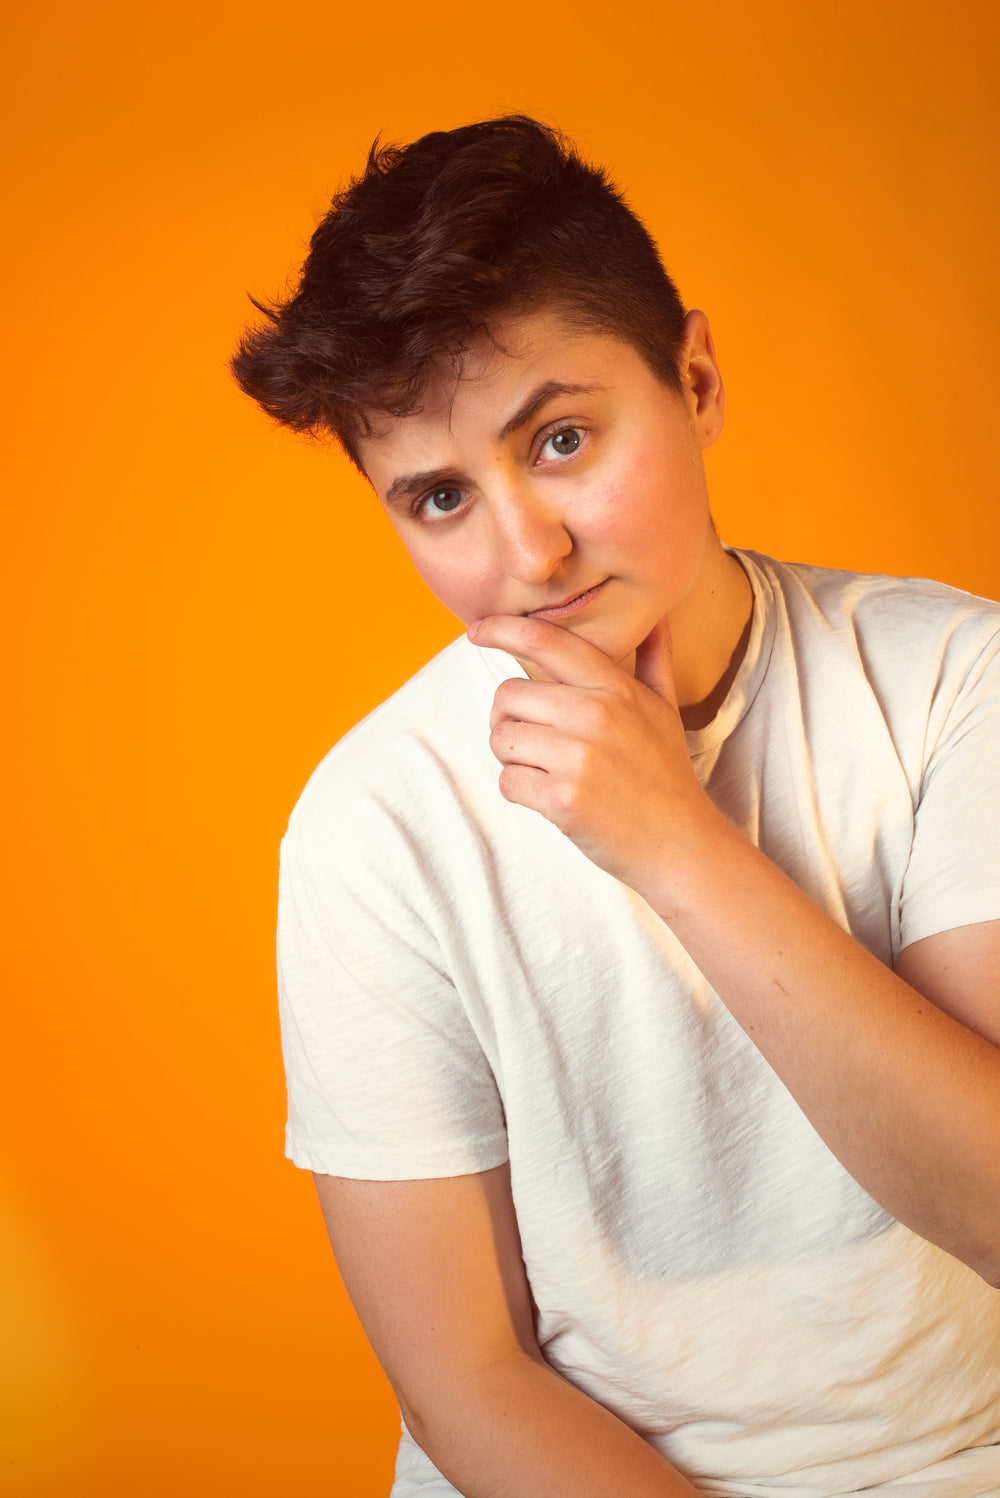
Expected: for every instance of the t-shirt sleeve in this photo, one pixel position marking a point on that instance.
(386, 1076)
(953, 874)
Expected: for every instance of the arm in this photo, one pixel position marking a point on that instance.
(434, 1270)
(905, 1093)
(898, 1072)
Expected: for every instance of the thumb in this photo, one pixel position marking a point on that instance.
(654, 662)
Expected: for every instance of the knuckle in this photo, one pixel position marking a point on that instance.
(508, 783)
(597, 716)
(582, 758)
(568, 798)
(502, 739)
(536, 632)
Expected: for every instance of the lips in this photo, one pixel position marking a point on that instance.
(571, 605)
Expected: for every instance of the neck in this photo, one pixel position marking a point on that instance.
(710, 632)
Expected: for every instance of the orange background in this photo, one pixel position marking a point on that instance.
(200, 604)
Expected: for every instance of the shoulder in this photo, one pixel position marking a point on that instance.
(875, 604)
(432, 719)
(905, 634)
(409, 777)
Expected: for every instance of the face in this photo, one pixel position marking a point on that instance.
(557, 477)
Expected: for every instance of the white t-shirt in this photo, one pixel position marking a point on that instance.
(460, 985)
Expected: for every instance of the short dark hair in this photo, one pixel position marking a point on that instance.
(432, 244)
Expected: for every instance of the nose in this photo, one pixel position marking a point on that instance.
(530, 533)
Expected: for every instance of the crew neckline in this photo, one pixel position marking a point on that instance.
(746, 682)
(753, 667)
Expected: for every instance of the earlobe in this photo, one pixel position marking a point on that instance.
(702, 378)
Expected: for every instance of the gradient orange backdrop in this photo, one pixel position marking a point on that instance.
(199, 604)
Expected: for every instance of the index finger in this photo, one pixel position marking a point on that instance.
(555, 652)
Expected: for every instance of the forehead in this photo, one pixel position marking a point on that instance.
(481, 394)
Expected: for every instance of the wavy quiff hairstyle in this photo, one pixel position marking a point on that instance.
(430, 247)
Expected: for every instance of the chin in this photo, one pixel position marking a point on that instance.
(618, 645)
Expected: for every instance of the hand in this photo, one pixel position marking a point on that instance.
(599, 753)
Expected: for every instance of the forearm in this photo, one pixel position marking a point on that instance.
(518, 1430)
(906, 1097)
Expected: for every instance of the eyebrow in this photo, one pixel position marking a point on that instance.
(430, 478)
(539, 398)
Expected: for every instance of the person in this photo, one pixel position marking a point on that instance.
(638, 957)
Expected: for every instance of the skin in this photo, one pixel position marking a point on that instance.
(899, 1072)
(527, 526)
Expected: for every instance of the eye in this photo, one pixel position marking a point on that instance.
(564, 442)
(440, 502)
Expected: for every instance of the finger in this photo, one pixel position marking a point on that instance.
(534, 702)
(526, 786)
(552, 796)
(562, 655)
(654, 662)
(534, 745)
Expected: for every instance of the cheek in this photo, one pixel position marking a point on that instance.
(463, 589)
(638, 503)
(609, 505)
(623, 507)
(607, 512)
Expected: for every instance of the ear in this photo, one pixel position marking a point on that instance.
(703, 389)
